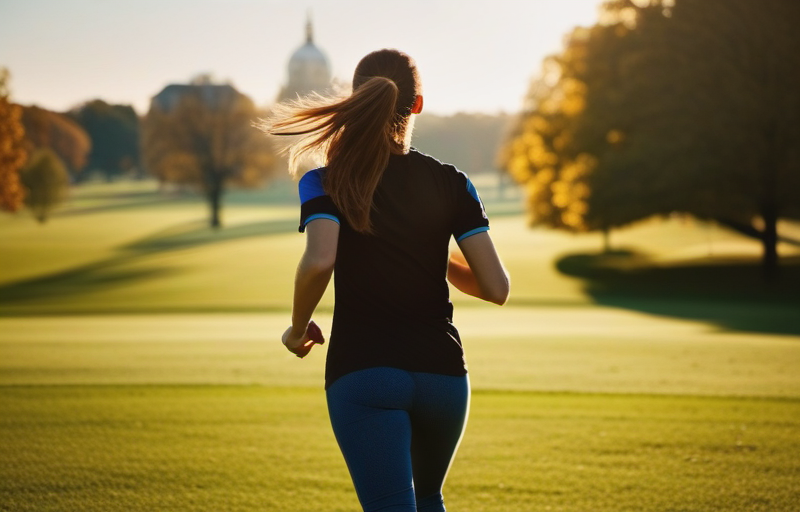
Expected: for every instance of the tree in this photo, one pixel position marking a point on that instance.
(46, 179)
(12, 150)
(203, 135)
(47, 129)
(687, 106)
(536, 153)
(114, 132)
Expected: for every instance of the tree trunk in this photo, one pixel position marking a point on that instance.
(769, 263)
(769, 207)
(215, 201)
(606, 240)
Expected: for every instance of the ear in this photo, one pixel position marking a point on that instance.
(417, 108)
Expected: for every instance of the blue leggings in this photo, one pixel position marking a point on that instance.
(398, 432)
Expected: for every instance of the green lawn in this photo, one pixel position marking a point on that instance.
(140, 367)
(577, 348)
(125, 248)
(247, 448)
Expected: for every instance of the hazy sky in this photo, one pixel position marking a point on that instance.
(474, 55)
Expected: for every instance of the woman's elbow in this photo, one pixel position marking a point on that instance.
(318, 264)
(498, 293)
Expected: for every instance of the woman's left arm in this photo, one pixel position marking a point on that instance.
(312, 278)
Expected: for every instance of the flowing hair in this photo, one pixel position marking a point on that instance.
(356, 134)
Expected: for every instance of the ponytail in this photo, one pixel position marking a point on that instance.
(356, 134)
(359, 153)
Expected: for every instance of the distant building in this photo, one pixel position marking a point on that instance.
(212, 95)
(309, 70)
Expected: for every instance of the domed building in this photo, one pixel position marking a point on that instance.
(309, 70)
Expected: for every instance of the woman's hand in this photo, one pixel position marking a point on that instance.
(300, 344)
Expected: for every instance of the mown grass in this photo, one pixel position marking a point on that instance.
(244, 448)
(581, 349)
(208, 412)
(125, 248)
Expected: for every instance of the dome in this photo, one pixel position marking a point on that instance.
(308, 54)
(308, 70)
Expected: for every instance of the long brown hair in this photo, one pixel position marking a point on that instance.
(356, 134)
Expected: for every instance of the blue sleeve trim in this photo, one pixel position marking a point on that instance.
(472, 232)
(472, 190)
(310, 186)
(321, 216)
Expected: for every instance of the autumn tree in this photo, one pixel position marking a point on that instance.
(203, 135)
(534, 154)
(684, 106)
(47, 181)
(114, 132)
(12, 150)
(48, 129)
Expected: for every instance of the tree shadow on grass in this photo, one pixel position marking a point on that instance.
(280, 192)
(82, 280)
(199, 233)
(123, 201)
(114, 272)
(728, 293)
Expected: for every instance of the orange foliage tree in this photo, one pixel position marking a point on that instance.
(202, 135)
(12, 150)
(668, 106)
(65, 137)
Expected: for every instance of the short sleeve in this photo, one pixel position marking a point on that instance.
(471, 216)
(314, 202)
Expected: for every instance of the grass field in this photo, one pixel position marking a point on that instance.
(242, 448)
(140, 368)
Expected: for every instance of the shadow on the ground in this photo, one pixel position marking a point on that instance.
(85, 279)
(116, 271)
(730, 294)
(199, 233)
(279, 192)
(124, 201)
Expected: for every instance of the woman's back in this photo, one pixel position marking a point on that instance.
(392, 299)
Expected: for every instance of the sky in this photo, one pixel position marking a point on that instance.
(473, 55)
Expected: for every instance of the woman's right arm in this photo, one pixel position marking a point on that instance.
(313, 275)
(482, 275)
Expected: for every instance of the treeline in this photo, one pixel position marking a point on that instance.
(468, 141)
(199, 135)
(93, 138)
(42, 152)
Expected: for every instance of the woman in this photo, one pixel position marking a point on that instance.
(381, 215)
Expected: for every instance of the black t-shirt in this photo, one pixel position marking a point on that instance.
(392, 305)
